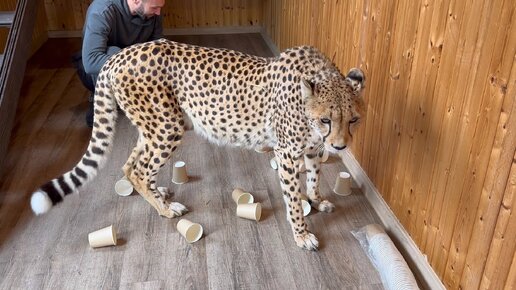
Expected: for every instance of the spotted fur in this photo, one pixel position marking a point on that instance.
(297, 103)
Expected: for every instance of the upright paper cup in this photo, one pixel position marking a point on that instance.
(306, 207)
(179, 175)
(191, 231)
(239, 196)
(252, 211)
(274, 163)
(123, 187)
(343, 184)
(103, 237)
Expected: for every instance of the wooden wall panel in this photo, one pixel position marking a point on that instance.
(40, 33)
(8, 5)
(3, 38)
(68, 15)
(439, 137)
(40, 27)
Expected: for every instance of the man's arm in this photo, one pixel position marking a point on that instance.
(95, 51)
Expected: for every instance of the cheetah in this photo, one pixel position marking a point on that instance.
(297, 103)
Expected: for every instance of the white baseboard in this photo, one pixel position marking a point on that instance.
(407, 247)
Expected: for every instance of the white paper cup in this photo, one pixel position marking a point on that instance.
(274, 163)
(239, 196)
(179, 175)
(103, 237)
(343, 184)
(123, 187)
(191, 231)
(306, 207)
(325, 156)
(252, 211)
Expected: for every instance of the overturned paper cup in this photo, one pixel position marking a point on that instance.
(179, 175)
(103, 237)
(274, 163)
(191, 231)
(123, 187)
(252, 211)
(306, 207)
(343, 184)
(239, 196)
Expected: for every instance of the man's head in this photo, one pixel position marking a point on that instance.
(146, 8)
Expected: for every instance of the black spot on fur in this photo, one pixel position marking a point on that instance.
(89, 162)
(97, 150)
(80, 173)
(75, 180)
(101, 135)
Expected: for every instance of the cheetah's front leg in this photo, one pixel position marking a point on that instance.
(313, 158)
(290, 185)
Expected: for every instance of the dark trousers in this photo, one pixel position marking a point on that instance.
(88, 80)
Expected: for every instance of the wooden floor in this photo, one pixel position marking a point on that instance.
(52, 252)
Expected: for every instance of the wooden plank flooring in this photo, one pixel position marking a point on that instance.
(52, 252)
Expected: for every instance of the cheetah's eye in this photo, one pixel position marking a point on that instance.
(325, 120)
(354, 120)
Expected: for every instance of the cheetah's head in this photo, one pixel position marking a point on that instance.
(333, 106)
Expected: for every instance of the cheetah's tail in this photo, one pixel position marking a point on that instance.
(53, 192)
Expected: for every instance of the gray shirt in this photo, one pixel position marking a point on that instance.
(110, 27)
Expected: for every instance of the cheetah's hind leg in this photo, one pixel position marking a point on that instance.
(130, 164)
(134, 157)
(157, 150)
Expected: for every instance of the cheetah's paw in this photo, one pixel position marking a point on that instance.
(174, 209)
(307, 241)
(325, 206)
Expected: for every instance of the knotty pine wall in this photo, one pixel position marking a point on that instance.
(439, 137)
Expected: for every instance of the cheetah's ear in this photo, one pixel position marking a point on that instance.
(307, 89)
(356, 79)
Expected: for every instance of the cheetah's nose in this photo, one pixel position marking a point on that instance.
(339, 147)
